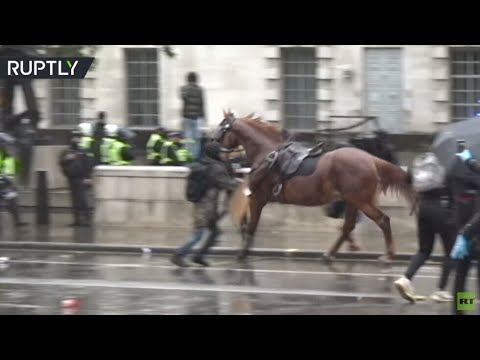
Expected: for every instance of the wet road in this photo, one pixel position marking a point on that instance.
(37, 283)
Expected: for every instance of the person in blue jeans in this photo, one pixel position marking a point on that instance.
(205, 211)
(467, 246)
(193, 112)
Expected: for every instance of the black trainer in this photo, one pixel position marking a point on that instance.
(200, 261)
(177, 260)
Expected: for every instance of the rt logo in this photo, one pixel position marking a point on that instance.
(466, 301)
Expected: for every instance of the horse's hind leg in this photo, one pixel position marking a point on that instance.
(351, 213)
(383, 222)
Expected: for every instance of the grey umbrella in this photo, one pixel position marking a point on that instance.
(445, 143)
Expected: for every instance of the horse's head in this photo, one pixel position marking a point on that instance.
(224, 134)
(230, 133)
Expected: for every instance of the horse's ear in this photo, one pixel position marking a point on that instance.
(250, 116)
(224, 113)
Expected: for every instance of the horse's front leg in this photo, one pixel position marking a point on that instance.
(249, 229)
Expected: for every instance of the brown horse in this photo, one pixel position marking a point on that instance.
(350, 174)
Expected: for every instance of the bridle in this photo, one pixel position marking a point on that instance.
(224, 128)
(271, 158)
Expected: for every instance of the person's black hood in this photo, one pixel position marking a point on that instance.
(213, 150)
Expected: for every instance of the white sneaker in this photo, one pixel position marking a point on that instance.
(405, 289)
(441, 296)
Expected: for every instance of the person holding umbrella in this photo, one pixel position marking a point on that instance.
(467, 245)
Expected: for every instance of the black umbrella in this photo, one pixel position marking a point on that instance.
(445, 143)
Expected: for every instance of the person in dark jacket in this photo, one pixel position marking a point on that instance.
(384, 147)
(77, 166)
(467, 246)
(193, 112)
(435, 216)
(205, 212)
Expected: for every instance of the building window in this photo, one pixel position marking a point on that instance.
(465, 83)
(299, 87)
(65, 101)
(142, 86)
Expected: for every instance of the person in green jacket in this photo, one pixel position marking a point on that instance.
(8, 191)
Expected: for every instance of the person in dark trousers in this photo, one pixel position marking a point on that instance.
(77, 166)
(435, 217)
(205, 211)
(98, 136)
(467, 245)
(193, 112)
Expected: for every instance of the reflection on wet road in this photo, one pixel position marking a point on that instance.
(37, 283)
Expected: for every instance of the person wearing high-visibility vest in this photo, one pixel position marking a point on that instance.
(87, 140)
(154, 146)
(184, 155)
(121, 152)
(8, 191)
(111, 133)
(173, 151)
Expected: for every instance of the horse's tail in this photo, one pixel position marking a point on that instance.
(395, 179)
(239, 206)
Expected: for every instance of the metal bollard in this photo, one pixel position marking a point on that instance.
(43, 217)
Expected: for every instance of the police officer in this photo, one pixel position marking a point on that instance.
(121, 152)
(77, 166)
(184, 155)
(467, 245)
(8, 171)
(110, 136)
(87, 140)
(155, 144)
(174, 152)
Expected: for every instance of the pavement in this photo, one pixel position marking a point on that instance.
(34, 283)
(275, 241)
(123, 270)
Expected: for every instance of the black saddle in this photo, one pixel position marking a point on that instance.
(293, 155)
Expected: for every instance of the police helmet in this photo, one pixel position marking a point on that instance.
(175, 134)
(126, 134)
(111, 130)
(86, 129)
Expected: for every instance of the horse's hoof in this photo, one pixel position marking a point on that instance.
(329, 257)
(385, 259)
(242, 256)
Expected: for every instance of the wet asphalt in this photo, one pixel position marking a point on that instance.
(38, 283)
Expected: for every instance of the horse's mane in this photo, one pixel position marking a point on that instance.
(264, 127)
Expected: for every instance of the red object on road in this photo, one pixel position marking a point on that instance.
(71, 306)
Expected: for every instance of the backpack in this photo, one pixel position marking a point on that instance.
(428, 173)
(197, 182)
